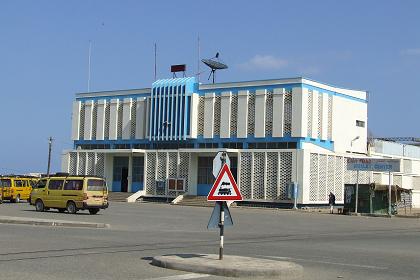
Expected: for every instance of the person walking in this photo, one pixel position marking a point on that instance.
(331, 202)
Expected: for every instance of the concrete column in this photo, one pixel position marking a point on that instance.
(75, 120)
(299, 112)
(278, 112)
(141, 119)
(113, 119)
(324, 118)
(209, 100)
(88, 120)
(225, 114)
(195, 99)
(126, 119)
(100, 120)
(65, 162)
(315, 95)
(242, 119)
(260, 97)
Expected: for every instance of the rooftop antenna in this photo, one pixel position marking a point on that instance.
(215, 64)
(155, 60)
(198, 59)
(89, 57)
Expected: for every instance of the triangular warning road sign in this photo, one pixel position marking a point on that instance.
(224, 188)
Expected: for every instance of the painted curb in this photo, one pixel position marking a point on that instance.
(231, 266)
(50, 223)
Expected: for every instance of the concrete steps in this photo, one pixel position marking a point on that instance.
(118, 196)
(199, 201)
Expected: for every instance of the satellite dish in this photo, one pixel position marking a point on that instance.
(214, 64)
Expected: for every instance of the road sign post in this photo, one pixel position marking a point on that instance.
(222, 229)
(224, 189)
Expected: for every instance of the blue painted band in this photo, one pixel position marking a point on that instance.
(327, 144)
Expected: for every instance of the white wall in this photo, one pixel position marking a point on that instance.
(126, 120)
(242, 119)
(225, 109)
(260, 108)
(194, 115)
(75, 119)
(299, 112)
(100, 120)
(113, 119)
(88, 120)
(141, 118)
(209, 115)
(278, 112)
(345, 114)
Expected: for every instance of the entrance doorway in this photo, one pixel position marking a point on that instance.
(124, 180)
(120, 174)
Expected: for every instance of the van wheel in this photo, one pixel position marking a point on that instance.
(71, 207)
(93, 211)
(61, 210)
(39, 205)
(17, 199)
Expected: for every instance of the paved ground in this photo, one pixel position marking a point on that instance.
(327, 246)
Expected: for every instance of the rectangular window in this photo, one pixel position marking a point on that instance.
(5, 183)
(41, 184)
(360, 123)
(96, 185)
(119, 164)
(55, 184)
(138, 169)
(18, 183)
(73, 185)
(205, 170)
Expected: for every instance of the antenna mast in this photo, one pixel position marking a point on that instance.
(155, 60)
(89, 56)
(198, 60)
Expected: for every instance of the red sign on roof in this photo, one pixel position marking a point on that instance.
(224, 188)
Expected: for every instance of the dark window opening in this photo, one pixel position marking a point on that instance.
(55, 184)
(138, 169)
(360, 123)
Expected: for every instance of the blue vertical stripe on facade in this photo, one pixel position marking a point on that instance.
(171, 109)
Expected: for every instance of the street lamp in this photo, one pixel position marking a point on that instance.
(351, 143)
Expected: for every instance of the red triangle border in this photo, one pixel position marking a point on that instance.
(212, 197)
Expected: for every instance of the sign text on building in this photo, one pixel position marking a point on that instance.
(374, 164)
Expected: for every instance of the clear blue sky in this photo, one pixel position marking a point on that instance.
(371, 45)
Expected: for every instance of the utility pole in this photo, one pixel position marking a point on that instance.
(49, 154)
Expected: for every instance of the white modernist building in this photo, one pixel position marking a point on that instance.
(276, 132)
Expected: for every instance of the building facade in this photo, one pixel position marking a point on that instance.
(276, 132)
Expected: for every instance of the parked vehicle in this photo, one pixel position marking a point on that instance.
(16, 188)
(70, 193)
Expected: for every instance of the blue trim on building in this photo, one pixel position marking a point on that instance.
(136, 186)
(116, 186)
(327, 144)
(203, 189)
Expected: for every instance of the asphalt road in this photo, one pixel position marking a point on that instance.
(327, 246)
